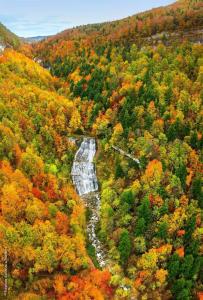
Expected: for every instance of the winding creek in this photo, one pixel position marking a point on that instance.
(85, 181)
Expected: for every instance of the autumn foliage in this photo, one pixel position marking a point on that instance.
(135, 84)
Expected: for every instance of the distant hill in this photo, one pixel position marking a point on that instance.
(35, 39)
(178, 21)
(8, 38)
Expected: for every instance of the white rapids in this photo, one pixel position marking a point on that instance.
(85, 181)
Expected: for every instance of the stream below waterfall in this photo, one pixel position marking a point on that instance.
(85, 181)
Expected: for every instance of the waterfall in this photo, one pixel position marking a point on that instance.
(85, 181)
(83, 170)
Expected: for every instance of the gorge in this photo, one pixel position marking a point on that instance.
(86, 183)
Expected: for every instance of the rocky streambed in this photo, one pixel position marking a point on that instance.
(85, 181)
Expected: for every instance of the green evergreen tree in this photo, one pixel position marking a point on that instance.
(140, 227)
(163, 231)
(197, 190)
(144, 210)
(127, 197)
(119, 171)
(124, 247)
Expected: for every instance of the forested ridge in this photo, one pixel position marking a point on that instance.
(181, 19)
(8, 38)
(143, 95)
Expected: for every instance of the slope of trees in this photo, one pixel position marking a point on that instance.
(147, 101)
(151, 217)
(144, 28)
(8, 38)
(42, 220)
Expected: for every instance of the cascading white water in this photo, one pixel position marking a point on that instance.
(85, 181)
(83, 170)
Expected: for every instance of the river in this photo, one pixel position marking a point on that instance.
(86, 184)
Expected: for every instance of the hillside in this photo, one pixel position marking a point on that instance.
(138, 86)
(178, 21)
(7, 38)
(135, 87)
(42, 220)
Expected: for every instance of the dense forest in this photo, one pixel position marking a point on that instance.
(176, 22)
(8, 38)
(134, 85)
